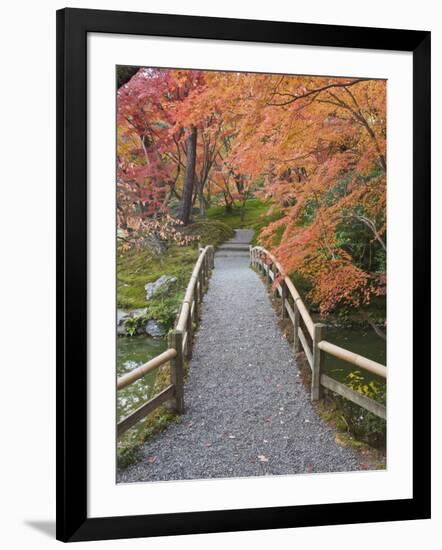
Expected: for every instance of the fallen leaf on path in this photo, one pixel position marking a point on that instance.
(151, 459)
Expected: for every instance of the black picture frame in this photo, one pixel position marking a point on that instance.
(73, 25)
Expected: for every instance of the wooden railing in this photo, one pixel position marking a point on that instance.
(180, 346)
(293, 307)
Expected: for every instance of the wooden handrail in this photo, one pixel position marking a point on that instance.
(353, 358)
(188, 297)
(141, 371)
(316, 355)
(142, 411)
(292, 289)
(308, 321)
(180, 342)
(360, 399)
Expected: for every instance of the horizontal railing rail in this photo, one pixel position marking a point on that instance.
(353, 358)
(140, 372)
(293, 307)
(180, 346)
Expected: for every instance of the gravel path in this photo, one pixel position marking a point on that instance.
(247, 412)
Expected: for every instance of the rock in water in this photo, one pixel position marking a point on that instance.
(153, 328)
(152, 288)
(121, 319)
(122, 316)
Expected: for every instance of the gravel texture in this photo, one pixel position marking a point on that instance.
(247, 412)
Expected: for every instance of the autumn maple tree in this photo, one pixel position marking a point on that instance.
(314, 148)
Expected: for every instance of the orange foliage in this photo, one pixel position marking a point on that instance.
(314, 146)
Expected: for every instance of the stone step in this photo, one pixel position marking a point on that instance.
(234, 246)
(232, 253)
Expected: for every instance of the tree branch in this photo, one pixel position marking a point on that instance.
(295, 97)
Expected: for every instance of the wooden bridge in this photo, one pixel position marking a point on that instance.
(309, 337)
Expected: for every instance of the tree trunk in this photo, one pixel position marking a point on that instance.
(243, 210)
(202, 199)
(189, 177)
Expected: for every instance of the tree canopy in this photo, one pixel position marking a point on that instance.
(314, 148)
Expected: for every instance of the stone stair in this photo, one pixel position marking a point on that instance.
(237, 246)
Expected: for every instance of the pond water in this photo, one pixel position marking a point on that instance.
(362, 341)
(131, 353)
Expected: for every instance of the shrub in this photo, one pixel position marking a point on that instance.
(363, 424)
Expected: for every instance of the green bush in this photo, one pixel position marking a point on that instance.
(364, 425)
(164, 310)
(131, 444)
(212, 232)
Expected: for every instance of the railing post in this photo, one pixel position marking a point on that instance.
(318, 360)
(195, 307)
(269, 280)
(203, 272)
(204, 266)
(283, 299)
(200, 287)
(275, 289)
(177, 369)
(296, 315)
(207, 269)
(189, 329)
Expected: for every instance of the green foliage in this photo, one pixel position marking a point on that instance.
(212, 232)
(128, 454)
(164, 310)
(308, 213)
(357, 239)
(361, 423)
(261, 223)
(256, 216)
(139, 266)
(133, 324)
(130, 446)
(338, 190)
(303, 286)
(254, 210)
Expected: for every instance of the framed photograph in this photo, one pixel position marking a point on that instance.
(225, 189)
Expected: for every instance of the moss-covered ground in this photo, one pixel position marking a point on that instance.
(256, 216)
(140, 266)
